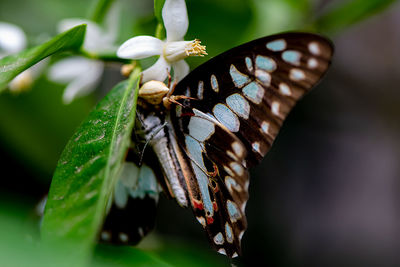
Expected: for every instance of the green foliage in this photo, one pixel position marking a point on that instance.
(88, 167)
(158, 5)
(107, 255)
(160, 30)
(100, 10)
(13, 65)
(344, 15)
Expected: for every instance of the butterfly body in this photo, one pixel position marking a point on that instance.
(234, 107)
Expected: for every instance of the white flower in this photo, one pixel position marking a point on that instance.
(13, 40)
(81, 74)
(172, 51)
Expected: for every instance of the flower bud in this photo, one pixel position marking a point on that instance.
(153, 92)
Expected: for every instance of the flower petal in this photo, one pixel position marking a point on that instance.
(181, 69)
(21, 82)
(12, 38)
(159, 71)
(140, 47)
(175, 19)
(66, 70)
(84, 84)
(95, 39)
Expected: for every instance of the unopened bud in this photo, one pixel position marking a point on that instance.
(153, 92)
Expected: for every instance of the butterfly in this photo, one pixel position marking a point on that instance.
(203, 144)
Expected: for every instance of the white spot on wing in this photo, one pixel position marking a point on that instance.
(123, 237)
(222, 251)
(284, 89)
(275, 108)
(297, 75)
(263, 77)
(237, 168)
(232, 184)
(106, 236)
(238, 149)
(314, 48)
(312, 63)
(256, 147)
(265, 127)
(201, 220)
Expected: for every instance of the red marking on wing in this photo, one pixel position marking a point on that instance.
(210, 220)
(190, 114)
(215, 206)
(197, 204)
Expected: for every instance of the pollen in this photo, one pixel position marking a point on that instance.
(195, 48)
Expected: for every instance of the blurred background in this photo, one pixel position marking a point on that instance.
(328, 192)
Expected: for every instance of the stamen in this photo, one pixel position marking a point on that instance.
(195, 49)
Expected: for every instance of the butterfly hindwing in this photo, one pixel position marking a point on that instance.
(132, 213)
(251, 88)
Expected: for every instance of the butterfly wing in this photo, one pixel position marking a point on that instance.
(134, 203)
(242, 97)
(251, 88)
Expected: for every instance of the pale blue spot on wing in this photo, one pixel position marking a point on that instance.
(239, 105)
(238, 78)
(237, 168)
(292, 57)
(265, 63)
(202, 180)
(297, 74)
(254, 92)
(225, 116)
(263, 77)
(228, 232)
(200, 129)
(233, 211)
(249, 64)
(195, 150)
(214, 83)
(219, 239)
(277, 45)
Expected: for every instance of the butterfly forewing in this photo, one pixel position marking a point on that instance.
(245, 93)
(251, 88)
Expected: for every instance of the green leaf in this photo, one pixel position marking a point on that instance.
(160, 30)
(100, 10)
(86, 172)
(124, 256)
(348, 13)
(13, 65)
(158, 5)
